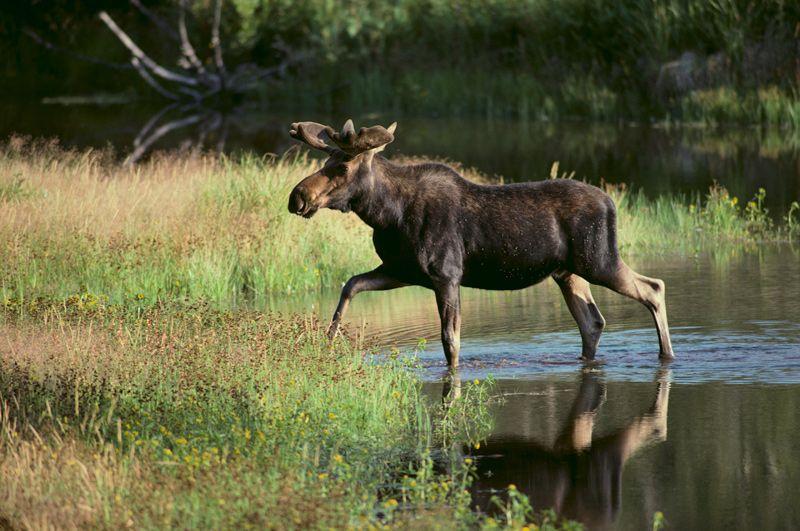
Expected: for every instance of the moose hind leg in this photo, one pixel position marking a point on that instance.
(580, 302)
(651, 293)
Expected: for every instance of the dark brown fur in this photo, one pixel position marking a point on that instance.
(434, 228)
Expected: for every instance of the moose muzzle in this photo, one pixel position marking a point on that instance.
(303, 199)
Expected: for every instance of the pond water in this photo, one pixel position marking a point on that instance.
(653, 158)
(711, 439)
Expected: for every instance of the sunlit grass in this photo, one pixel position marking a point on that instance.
(214, 420)
(77, 227)
(172, 228)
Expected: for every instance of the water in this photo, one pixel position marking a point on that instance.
(710, 439)
(656, 159)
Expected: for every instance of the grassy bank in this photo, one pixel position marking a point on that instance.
(77, 226)
(205, 419)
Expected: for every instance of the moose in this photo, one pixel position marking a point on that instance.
(436, 229)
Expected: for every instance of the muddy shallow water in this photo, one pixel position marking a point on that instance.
(711, 439)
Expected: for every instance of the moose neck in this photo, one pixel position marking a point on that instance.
(382, 196)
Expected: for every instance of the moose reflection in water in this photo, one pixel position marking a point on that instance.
(578, 476)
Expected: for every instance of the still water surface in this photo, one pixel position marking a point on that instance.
(711, 439)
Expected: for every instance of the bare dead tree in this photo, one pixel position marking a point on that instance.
(198, 80)
(195, 79)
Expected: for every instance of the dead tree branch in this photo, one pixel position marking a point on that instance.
(186, 46)
(196, 80)
(143, 57)
(150, 80)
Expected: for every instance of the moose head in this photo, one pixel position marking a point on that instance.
(346, 170)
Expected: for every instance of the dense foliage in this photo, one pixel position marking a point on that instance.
(539, 58)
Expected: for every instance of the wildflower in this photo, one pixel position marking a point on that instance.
(511, 486)
(323, 476)
(412, 483)
(477, 446)
(468, 460)
(391, 502)
(181, 441)
(167, 451)
(332, 416)
(525, 528)
(140, 296)
(396, 394)
(734, 201)
(476, 382)
(338, 458)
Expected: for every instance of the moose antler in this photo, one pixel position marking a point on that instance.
(366, 139)
(311, 134)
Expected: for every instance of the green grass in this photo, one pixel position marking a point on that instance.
(75, 227)
(702, 223)
(136, 391)
(208, 419)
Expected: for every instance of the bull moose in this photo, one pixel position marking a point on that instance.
(433, 228)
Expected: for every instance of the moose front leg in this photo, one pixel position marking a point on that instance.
(375, 280)
(448, 300)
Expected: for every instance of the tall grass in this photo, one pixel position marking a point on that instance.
(170, 229)
(207, 419)
(77, 227)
